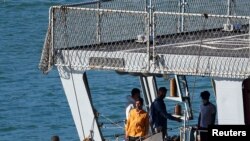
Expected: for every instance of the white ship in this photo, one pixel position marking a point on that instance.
(149, 39)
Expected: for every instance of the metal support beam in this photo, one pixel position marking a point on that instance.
(149, 88)
(77, 91)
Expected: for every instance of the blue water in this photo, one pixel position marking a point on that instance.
(33, 105)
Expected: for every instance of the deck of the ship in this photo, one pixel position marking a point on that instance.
(215, 42)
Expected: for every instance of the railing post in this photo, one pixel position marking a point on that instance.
(98, 24)
(153, 37)
(228, 10)
(148, 43)
(182, 9)
(248, 73)
(150, 33)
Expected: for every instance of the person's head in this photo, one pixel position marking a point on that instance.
(55, 138)
(139, 103)
(87, 139)
(205, 96)
(162, 91)
(135, 93)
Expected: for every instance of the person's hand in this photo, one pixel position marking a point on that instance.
(195, 127)
(179, 119)
(126, 137)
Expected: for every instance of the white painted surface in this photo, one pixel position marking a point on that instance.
(229, 101)
(148, 83)
(80, 105)
(152, 86)
(226, 67)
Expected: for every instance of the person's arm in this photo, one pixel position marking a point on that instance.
(127, 126)
(199, 120)
(162, 110)
(128, 110)
(213, 116)
(169, 116)
(147, 125)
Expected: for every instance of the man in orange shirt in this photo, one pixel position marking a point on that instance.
(138, 122)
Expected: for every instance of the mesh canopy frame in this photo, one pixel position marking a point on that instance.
(113, 37)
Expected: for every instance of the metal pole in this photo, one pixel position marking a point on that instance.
(179, 18)
(184, 125)
(150, 17)
(183, 10)
(153, 38)
(148, 43)
(146, 10)
(182, 17)
(248, 68)
(98, 27)
(228, 10)
(149, 34)
(51, 18)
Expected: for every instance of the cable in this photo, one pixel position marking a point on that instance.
(115, 135)
(116, 122)
(201, 40)
(72, 77)
(111, 121)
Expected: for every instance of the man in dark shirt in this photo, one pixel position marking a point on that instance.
(207, 115)
(159, 115)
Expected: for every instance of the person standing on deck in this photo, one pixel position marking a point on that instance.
(135, 94)
(159, 114)
(138, 123)
(207, 115)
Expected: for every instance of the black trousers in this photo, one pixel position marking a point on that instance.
(164, 132)
(134, 138)
(204, 135)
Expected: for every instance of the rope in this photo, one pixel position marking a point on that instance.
(111, 121)
(198, 61)
(107, 127)
(173, 128)
(92, 129)
(115, 135)
(72, 77)
(194, 85)
(121, 121)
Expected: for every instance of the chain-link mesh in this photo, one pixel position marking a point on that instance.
(194, 37)
(219, 7)
(211, 45)
(99, 38)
